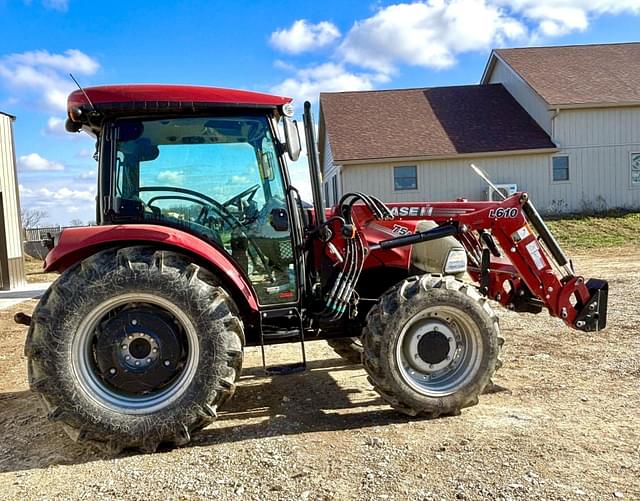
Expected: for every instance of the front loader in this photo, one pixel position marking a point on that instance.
(204, 247)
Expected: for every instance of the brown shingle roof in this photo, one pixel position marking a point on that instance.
(434, 122)
(579, 74)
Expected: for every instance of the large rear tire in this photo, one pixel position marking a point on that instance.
(431, 346)
(134, 347)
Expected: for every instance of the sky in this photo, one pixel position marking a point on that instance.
(292, 48)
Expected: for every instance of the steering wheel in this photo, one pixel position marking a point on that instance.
(229, 217)
(236, 200)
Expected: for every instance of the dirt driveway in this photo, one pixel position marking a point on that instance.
(568, 426)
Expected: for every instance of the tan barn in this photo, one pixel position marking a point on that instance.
(11, 262)
(562, 123)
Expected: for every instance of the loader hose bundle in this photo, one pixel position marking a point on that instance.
(343, 293)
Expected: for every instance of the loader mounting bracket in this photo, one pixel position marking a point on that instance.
(593, 315)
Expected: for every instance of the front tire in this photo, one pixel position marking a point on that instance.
(134, 347)
(431, 346)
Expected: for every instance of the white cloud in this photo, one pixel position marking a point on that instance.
(55, 127)
(44, 75)
(59, 5)
(170, 177)
(433, 33)
(72, 60)
(58, 199)
(67, 194)
(34, 162)
(88, 175)
(553, 18)
(84, 153)
(303, 36)
(428, 34)
(307, 83)
(242, 180)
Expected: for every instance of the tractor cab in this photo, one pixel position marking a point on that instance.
(211, 169)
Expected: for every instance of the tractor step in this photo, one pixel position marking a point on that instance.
(271, 336)
(278, 335)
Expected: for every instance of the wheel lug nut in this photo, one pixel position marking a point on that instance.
(148, 360)
(137, 362)
(124, 346)
(167, 363)
(127, 357)
(134, 322)
(155, 350)
(112, 370)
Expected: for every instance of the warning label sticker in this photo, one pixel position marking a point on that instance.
(521, 234)
(534, 251)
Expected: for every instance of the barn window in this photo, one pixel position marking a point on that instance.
(405, 178)
(334, 187)
(327, 202)
(561, 168)
(635, 170)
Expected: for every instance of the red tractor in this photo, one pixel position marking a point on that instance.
(203, 247)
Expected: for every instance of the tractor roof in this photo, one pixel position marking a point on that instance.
(122, 99)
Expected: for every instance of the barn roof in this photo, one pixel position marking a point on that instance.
(577, 75)
(427, 122)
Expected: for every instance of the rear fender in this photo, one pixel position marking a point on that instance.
(76, 244)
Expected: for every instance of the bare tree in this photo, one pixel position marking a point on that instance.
(31, 218)
(76, 222)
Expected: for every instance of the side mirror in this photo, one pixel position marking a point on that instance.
(279, 220)
(292, 137)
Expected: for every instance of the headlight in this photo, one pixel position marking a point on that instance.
(456, 261)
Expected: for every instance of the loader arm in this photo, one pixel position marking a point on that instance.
(512, 256)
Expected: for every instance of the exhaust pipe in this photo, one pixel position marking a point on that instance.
(314, 164)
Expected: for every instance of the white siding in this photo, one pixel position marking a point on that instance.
(441, 180)
(327, 155)
(9, 189)
(13, 267)
(520, 90)
(329, 171)
(599, 143)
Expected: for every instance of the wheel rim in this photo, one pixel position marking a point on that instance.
(139, 351)
(439, 351)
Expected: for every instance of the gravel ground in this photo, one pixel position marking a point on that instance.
(567, 426)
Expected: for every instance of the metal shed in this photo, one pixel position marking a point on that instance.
(12, 273)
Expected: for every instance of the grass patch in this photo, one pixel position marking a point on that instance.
(596, 231)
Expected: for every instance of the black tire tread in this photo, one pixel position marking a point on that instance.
(376, 327)
(47, 378)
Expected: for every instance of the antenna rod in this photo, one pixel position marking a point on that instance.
(93, 108)
(487, 180)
